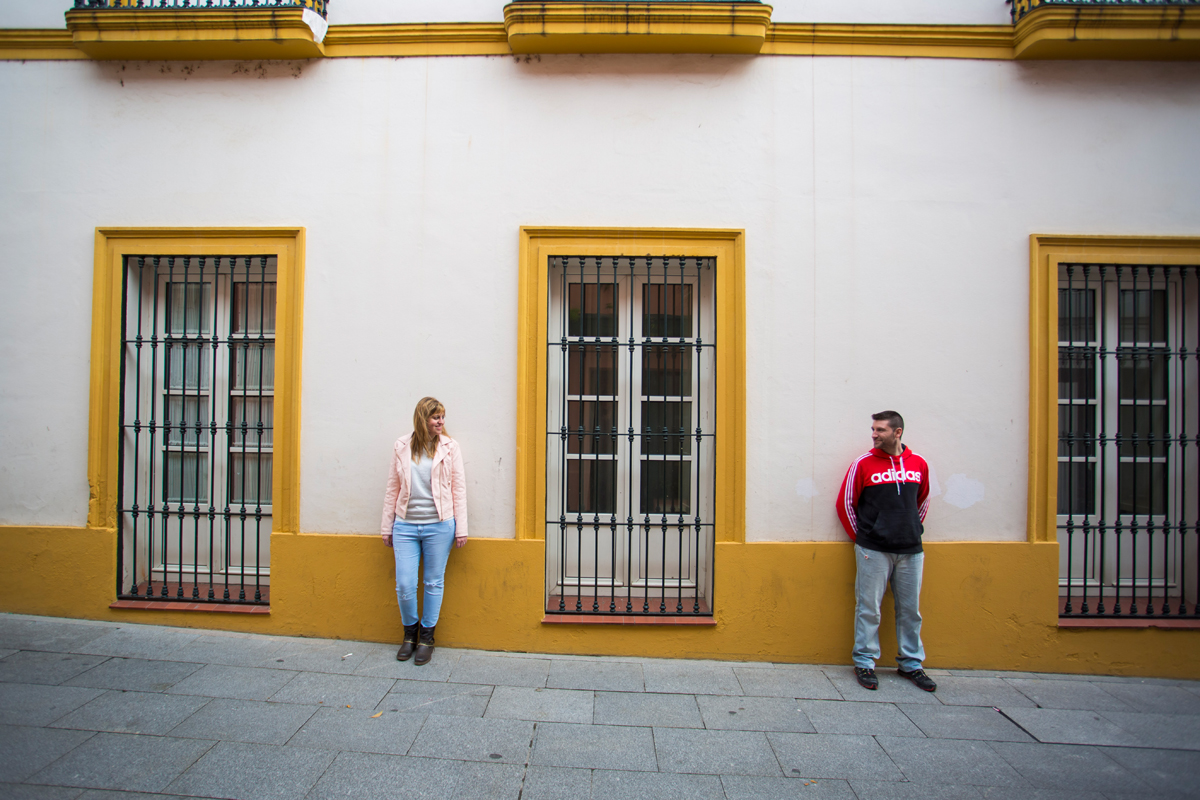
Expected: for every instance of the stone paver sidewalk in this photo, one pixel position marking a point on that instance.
(108, 711)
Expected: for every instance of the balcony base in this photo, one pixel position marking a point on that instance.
(1109, 33)
(199, 35)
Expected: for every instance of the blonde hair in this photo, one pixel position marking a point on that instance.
(422, 443)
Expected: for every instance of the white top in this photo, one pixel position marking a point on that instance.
(421, 510)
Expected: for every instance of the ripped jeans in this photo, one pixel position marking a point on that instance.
(409, 543)
(875, 570)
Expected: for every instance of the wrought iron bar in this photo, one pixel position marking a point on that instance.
(1021, 8)
(319, 6)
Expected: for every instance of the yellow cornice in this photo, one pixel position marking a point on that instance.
(37, 45)
(1110, 32)
(1046, 32)
(590, 27)
(197, 35)
(899, 41)
(417, 39)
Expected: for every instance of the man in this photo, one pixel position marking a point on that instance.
(882, 505)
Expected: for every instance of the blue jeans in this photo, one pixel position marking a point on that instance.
(875, 569)
(410, 543)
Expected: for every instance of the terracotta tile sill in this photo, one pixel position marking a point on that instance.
(175, 605)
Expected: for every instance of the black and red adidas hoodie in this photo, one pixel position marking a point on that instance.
(883, 500)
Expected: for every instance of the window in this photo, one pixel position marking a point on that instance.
(1128, 438)
(197, 426)
(631, 434)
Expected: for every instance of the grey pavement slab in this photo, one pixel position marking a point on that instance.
(891, 790)
(954, 690)
(124, 761)
(603, 676)
(786, 682)
(1162, 770)
(647, 709)
(892, 688)
(139, 641)
(964, 722)
(467, 739)
(869, 719)
(24, 751)
(28, 666)
(557, 783)
(449, 699)
(1026, 793)
(753, 714)
(1066, 694)
(1153, 698)
(230, 649)
(715, 752)
(132, 712)
(243, 683)
(500, 670)
(1165, 731)
(382, 663)
(29, 704)
(950, 761)
(690, 677)
(363, 775)
(49, 634)
(1073, 767)
(755, 787)
(317, 655)
(242, 771)
(135, 674)
(1069, 726)
(245, 721)
(25, 791)
(820, 755)
(318, 688)
(621, 785)
(562, 744)
(359, 730)
(107, 794)
(540, 705)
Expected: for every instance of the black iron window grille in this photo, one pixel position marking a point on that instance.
(630, 444)
(320, 6)
(1128, 440)
(197, 407)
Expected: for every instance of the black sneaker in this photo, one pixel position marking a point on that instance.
(919, 679)
(866, 678)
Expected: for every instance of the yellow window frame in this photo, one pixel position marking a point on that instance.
(104, 426)
(727, 246)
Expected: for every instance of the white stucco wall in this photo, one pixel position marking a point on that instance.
(49, 13)
(887, 205)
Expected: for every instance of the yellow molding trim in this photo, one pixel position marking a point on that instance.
(111, 244)
(18, 44)
(417, 39)
(898, 41)
(1046, 252)
(200, 35)
(1117, 33)
(606, 27)
(537, 244)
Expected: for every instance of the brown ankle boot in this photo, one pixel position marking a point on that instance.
(424, 647)
(410, 642)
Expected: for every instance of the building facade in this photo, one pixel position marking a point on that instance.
(660, 264)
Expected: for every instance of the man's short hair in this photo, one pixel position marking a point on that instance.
(892, 418)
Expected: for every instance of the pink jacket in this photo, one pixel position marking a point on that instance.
(447, 479)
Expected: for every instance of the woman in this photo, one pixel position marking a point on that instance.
(424, 510)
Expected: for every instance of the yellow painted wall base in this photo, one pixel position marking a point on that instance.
(986, 605)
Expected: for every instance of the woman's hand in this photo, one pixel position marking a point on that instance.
(459, 541)
(387, 539)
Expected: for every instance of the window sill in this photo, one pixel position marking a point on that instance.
(177, 605)
(610, 619)
(1130, 622)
